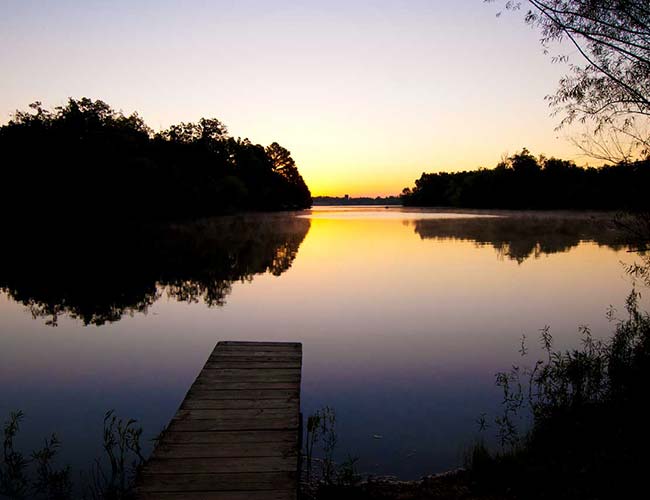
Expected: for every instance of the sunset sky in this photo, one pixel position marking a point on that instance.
(366, 94)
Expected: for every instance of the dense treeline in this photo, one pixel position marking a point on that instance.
(85, 159)
(523, 181)
(587, 438)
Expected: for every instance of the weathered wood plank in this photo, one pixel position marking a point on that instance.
(251, 364)
(225, 450)
(240, 404)
(230, 437)
(267, 355)
(228, 385)
(244, 374)
(207, 482)
(214, 378)
(259, 346)
(218, 465)
(202, 392)
(255, 343)
(221, 495)
(235, 435)
(265, 346)
(261, 351)
(235, 414)
(244, 424)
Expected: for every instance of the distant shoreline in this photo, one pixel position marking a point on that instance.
(352, 201)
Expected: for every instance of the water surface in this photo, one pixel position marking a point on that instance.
(405, 316)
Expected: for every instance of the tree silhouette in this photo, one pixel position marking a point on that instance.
(84, 161)
(610, 87)
(522, 181)
(284, 164)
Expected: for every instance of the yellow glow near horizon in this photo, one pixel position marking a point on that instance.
(361, 154)
(388, 172)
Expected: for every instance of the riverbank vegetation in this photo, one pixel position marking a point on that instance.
(573, 427)
(523, 181)
(40, 475)
(86, 161)
(588, 437)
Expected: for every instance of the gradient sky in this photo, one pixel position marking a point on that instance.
(366, 94)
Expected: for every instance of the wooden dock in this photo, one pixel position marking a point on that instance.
(236, 435)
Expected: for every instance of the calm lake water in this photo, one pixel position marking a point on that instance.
(404, 315)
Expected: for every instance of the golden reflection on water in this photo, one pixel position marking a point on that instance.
(380, 288)
(403, 324)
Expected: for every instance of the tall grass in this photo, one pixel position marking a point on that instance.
(588, 435)
(331, 479)
(38, 476)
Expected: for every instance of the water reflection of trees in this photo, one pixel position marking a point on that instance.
(519, 237)
(98, 275)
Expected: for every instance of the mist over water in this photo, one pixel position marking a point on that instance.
(404, 315)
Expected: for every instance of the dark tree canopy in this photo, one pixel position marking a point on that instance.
(609, 87)
(86, 160)
(523, 181)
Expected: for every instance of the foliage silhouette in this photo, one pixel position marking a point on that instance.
(101, 275)
(85, 161)
(38, 477)
(525, 182)
(588, 437)
(608, 86)
(13, 464)
(333, 480)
